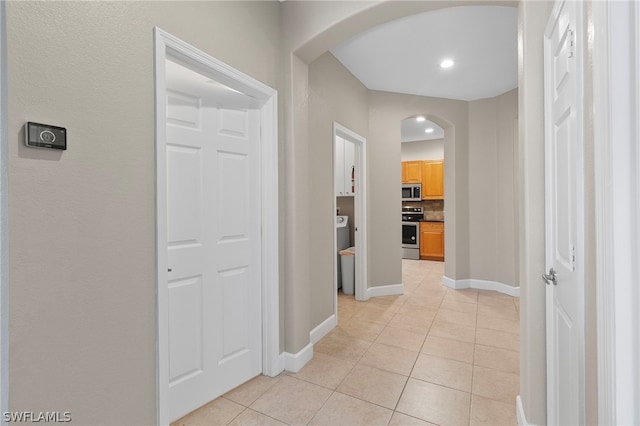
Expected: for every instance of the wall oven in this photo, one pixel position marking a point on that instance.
(411, 192)
(411, 217)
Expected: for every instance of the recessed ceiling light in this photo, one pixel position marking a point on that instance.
(428, 130)
(447, 63)
(420, 118)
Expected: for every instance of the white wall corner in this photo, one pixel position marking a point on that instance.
(481, 285)
(522, 419)
(295, 362)
(384, 290)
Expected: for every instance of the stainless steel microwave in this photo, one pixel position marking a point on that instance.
(412, 192)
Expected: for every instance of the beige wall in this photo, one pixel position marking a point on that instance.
(82, 315)
(479, 180)
(82, 245)
(480, 236)
(491, 189)
(309, 30)
(334, 95)
(422, 150)
(387, 110)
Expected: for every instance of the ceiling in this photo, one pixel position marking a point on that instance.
(404, 55)
(413, 130)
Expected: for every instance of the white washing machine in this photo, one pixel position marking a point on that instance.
(343, 239)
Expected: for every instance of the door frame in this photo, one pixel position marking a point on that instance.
(360, 207)
(616, 99)
(168, 46)
(579, 177)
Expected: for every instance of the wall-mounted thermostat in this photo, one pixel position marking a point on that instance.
(45, 136)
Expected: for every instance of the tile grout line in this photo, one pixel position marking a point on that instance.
(263, 414)
(333, 391)
(360, 359)
(419, 352)
(473, 365)
(395, 408)
(424, 288)
(240, 413)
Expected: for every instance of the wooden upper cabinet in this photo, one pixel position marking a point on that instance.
(412, 172)
(432, 180)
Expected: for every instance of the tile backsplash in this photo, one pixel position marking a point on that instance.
(433, 209)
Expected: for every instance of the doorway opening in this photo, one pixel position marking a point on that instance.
(350, 173)
(235, 162)
(422, 154)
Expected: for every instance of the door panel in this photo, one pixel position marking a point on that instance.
(184, 211)
(185, 303)
(564, 191)
(213, 229)
(564, 293)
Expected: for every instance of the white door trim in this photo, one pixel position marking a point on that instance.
(616, 59)
(4, 227)
(167, 45)
(360, 205)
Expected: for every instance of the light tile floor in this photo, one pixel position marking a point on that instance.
(431, 356)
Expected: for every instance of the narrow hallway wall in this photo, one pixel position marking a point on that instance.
(334, 95)
(82, 221)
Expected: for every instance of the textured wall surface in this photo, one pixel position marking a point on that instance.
(82, 254)
(334, 95)
(82, 231)
(423, 150)
(387, 110)
(492, 177)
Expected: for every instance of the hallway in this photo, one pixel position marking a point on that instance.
(430, 356)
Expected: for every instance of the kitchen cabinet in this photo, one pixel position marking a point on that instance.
(432, 180)
(432, 240)
(411, 172)
(344, 168)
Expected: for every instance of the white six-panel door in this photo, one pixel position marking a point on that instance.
(213, 250)
(564, 207)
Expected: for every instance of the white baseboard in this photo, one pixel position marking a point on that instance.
(481, 285)
(384, 290)
(323, 329)
(522, 419)
(295, 362)
(451, 283)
